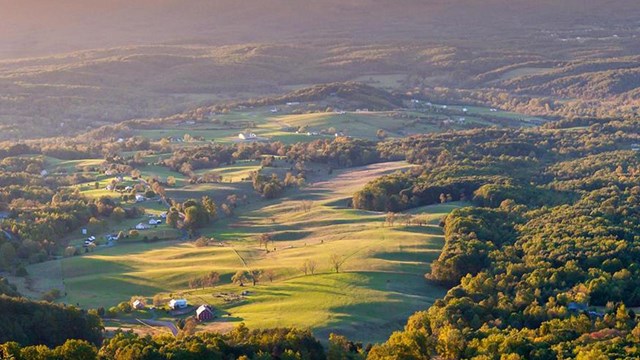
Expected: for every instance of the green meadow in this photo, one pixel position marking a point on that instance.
(380, 282)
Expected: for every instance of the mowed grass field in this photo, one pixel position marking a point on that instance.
(379, 285)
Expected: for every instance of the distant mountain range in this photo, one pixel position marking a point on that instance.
(71, 66)
(40, 27)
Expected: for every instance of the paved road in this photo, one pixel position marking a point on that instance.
(168, 324)
(148, 322)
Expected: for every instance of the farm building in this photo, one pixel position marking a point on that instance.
(111, 237)
(247, 136)
(140, 198)
(142, 226)
(178, 304)
(155, 222)
(90, 240)
(204, 313)
(138, 305)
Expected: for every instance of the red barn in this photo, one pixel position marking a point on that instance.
(204, 313)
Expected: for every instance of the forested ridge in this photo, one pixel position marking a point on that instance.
(544, 262)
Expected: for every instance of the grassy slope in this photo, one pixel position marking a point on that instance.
(281, 126)
(380, 285)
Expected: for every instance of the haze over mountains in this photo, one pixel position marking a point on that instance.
(40, 27)
(70, 66)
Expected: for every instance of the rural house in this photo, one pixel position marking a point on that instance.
(204, 313)
(142, 226)
(138, 305)
(247, 136)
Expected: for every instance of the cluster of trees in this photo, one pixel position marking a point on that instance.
(519, 161)
(338, 153)
(192, 214)
(36, 231)
(41, 323)
(208, 280)
(542, 266)
(240, 343)
(243, 276)
(67, 149)
(272, 187)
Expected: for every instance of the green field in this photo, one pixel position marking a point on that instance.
(379, 285)
(282, 125)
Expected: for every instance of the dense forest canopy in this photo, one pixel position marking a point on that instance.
(550, 242)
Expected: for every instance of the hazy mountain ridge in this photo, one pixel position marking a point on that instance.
(36, 27)
(541, 49)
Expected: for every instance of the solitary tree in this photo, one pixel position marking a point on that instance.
(210, 207)
(306, 205)
(270, 274)
(118, 214)
(228, 211)
(264, 240)
(255, 276)
(391, 218)
(158, 300)
(336, 262)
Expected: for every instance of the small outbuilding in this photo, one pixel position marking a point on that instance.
(175, 304)
(138, 305)
(204, 313)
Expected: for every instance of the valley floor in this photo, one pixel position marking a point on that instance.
(379, 285)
